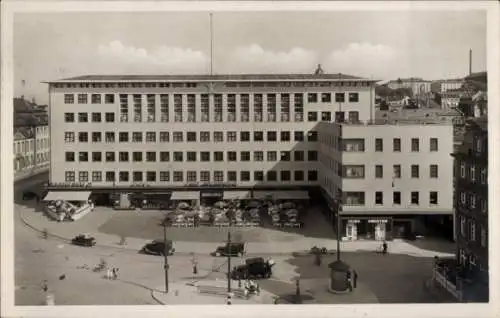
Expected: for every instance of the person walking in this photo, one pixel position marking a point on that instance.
(349, 281)
(384, 247)
(355, 278)
(45, 286)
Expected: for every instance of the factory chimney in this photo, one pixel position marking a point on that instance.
(470, 61)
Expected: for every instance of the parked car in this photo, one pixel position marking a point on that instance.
(233, 249)
(254, 268)
(83, 240)
(158, 248)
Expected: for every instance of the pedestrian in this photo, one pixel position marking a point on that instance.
(109, 273)
(349, 281)
(228, 301)
(115, 273)
(45, 286)
(355, 279)
(384, 247)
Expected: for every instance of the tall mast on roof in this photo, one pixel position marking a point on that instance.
(211, 44)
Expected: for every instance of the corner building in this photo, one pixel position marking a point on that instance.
(199, 137)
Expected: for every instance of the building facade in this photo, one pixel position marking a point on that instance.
(442, 86)
(187, 132)
(418, 86)
(31, 146)
(389, 176)
(471, 203)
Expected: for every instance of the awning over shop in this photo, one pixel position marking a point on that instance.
(282, 195)
(231, 195)
(67, 196)
(185, 195)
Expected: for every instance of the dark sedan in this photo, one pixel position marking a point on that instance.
(83, 240)
(158, 248)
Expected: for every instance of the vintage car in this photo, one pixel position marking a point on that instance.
(232, 249)
(83, 240)
(254, 268)
(158, 248)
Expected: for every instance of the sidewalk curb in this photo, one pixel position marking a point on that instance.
(153, 295)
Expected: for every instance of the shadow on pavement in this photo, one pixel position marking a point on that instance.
(434, 244)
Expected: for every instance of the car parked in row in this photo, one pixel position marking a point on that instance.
(158, 248)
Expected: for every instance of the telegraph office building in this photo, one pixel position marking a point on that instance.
(196, 137)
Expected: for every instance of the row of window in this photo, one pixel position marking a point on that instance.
(358, 171)
(468, 171)
(28, 145)
(358, 144)
(29, 160)
(192, 136)
(468, 231)
(191, 156)
(469, 200)
(358, 198)
(340, 97)
(190, 176)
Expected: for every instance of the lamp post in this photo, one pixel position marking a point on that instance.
(165, 253)
(229, 250)
(339, 210)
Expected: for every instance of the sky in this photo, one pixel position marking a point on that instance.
(381, 45)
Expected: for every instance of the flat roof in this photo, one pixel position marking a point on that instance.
(222, 77)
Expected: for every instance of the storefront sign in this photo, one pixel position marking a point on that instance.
(211, 194)
(211, 185)
(377, 221)
(353, 221)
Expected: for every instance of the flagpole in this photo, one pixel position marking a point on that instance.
(211, 44)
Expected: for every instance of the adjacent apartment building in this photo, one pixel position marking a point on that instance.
(205, 138)
(471, 206)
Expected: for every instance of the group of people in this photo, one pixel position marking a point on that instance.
(250, 287)
(112, 273)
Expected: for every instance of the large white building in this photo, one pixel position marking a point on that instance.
(190, 137)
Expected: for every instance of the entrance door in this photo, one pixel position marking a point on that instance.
(349, 231)
(380, 232)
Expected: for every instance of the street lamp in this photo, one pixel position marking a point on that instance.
(165, 253)
(339, 210)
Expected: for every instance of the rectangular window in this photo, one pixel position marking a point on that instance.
(110, 176)
(245, 176)
(82, 98)
(204, 136)
(434, 171)
(285, 135)
(164, 108)
(69, 98)
(69, 176)
(178, 176)
(69, 117)
(258, 136)
(69, 137)
(218, 108)
(137, 176)
(96, 98)
(379, 171)
(244, 107)
(472, 173)
(137, 156)
(205, 176)
(244, 136)
(258, 107)
(298, 155)
(271, 107)
(434, 144)
(415, 144)
(231, 156)
(272, 156)
(205, 108)
(164, 136)
(96, 176)
(110, 156)
(326, 97)
(231, 107)
(150, 136)
(285, 156)
(415, 171)
(191, 156)
(298, 136)
(218, 176)
(218, 156)
(258, 175)
(137, 108)
(326, 116)
(353, 97)
(396, 144)
(484, 238)
(109, 98)
(396, 197)
(123, 176)
(312, 155)
(96, 117)
(353, 145)
(205, 156)
(96, 156)
(83, 156)
(285, 107)
(123, 156)
(353, 171)
(312, 136)
(285, 175)
(312, 116)
(354, 198)
(379, 198)
(178, 118)
(312, 97)
(258, 156)
(83, 117)
(83, 176)
(178, 156)
(178, 136)
(396, 171)
(151, 107)
(218, 136)
(191, 176)
(414, 197)
(83, 137)
(110, 117)
(164, 156)
(433, 197)
(232, 176)
(379, 144)
(272, 175)
(123, 108)
(151, 156)
(151, 176)
(339, 97)
(70, 156)
(483, 176)
(312, 175)
(298, 175)
(136, 136)
(298, 107)
(123, 137)
(245, 156)
(191, 108)
(110, 136)
(231, 136)
(272, 136)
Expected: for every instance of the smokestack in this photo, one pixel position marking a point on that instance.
(470, 61)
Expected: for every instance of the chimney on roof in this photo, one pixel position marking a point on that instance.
(319, 70)
(470, 61)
